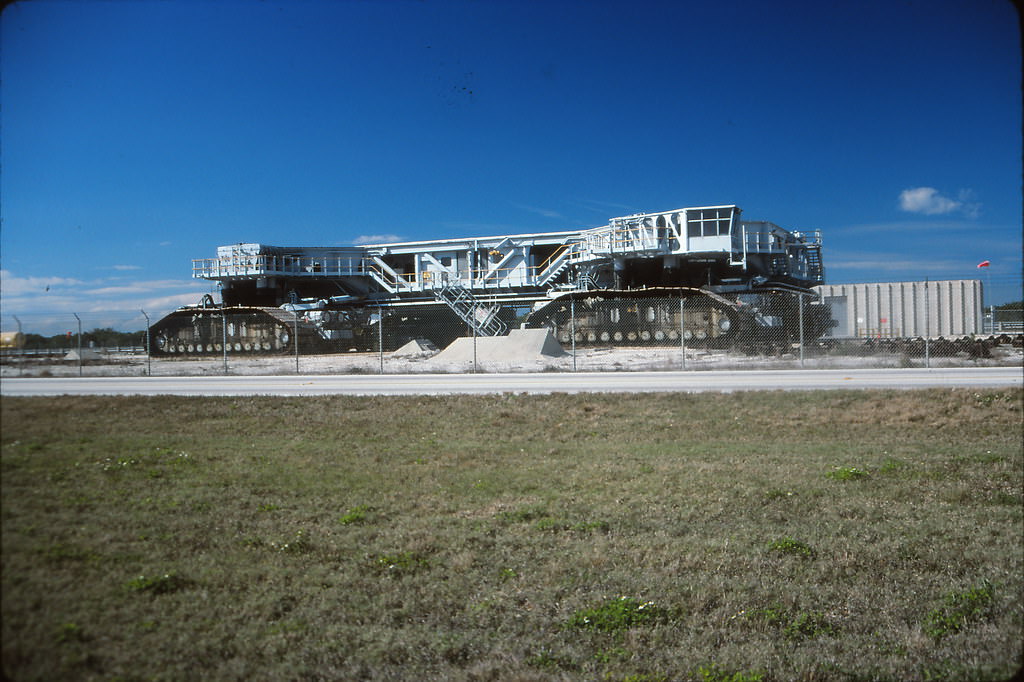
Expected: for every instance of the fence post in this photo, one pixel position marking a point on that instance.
(149, 356)
(682, 328)
(79, 343)
(21, 360)
(991, 305)
(800, 303)
(380, 336)
(224, 337)
(927, 327)
(473, 327)
(572, 327)
(295, 313)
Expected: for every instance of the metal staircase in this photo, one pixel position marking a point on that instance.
(780, 265)
(559, 263)
(481, 317)
(814, 267)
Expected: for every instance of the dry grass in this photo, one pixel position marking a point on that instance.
(468, 537)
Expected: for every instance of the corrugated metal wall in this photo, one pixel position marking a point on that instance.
(945, 308)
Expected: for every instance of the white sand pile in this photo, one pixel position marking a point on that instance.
(86, 354)
(521, 346)
(416, 348)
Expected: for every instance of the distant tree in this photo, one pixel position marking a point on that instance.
(36, 341)
(111, 338)
(100, 337)
(55, 341)
(1010, 312)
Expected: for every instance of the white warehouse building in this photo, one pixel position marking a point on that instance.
(946, 308)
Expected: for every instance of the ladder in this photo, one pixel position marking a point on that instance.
(481, 317)
(814, 267)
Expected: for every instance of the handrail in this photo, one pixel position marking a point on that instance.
(632, 238)
(619, 239)
(556, 255)
(393, 278)
(330, 263)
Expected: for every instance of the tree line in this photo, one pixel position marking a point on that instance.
(1010, 312)
(98, 338)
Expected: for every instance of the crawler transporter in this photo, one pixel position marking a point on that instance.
(701, 274)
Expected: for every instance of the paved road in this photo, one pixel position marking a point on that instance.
(440, 384)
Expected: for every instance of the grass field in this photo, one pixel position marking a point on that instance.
(751, 536)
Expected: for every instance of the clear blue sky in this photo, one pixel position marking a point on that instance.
(139, 135)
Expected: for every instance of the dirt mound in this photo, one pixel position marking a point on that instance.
(521, 345)
(416, 347)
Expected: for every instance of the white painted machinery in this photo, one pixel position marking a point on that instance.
(578, 282)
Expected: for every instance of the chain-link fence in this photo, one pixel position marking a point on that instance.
(644, 330)
(91, 343)
(1004, 321)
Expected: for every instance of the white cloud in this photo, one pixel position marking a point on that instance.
(847, 265)
(376, 239)
(172, 302)
(127, 267)
(893, 265)
(34, 298)
(968, 206)
(606, 208)
(140, 287)
(933, 226)
(10, 285)
(928, 201)
(462, 230)
(546, 212)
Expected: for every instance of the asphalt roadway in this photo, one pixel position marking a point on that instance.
(548, 382)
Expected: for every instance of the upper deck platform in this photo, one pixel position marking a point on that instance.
(524, 260)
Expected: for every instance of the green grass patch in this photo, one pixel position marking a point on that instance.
(793, 625)
(551, 661)
(847, 474)
(489, 537)
(713, 673)
(958, 610)
(774, 616)
(616, 615)
(550, 524)
(157, 584)
(70, 632)
(354, 515)
(792, 547)
(779, 494)
(808, 626)
(298, 543)
(402, 563)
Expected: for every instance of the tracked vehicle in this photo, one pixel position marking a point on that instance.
(700, 274)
